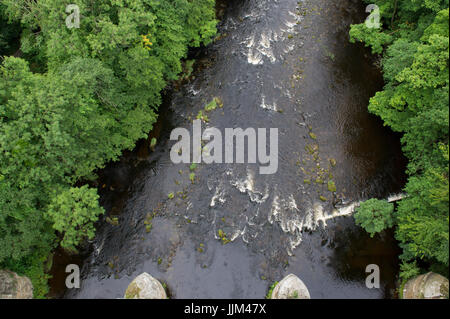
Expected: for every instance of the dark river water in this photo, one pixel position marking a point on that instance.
(283, 64)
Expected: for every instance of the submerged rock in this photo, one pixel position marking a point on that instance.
(427, 286)
(291, 287)
(145, 286)
(13, 286)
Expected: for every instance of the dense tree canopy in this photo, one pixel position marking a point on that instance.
(73, 99)
(375, 215)
(414, 44)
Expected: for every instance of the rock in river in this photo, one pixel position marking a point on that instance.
(291, 287)
(427, 286)
(13, 286)
(145, 286)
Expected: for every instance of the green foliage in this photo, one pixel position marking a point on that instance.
(399, 56)
(153, 142)
(216, 102)
(414, 44)
(408, 271)
(371, 37)
(271, 288)
(9, 33)
(73, 212)
(423, 220)
(211, 106)
(32, 266)
(74, 101)
(375, 215)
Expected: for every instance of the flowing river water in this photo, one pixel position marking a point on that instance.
(283, 64)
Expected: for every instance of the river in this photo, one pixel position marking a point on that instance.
(283, 64)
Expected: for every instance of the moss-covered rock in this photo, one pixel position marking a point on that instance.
(332, 162)
(312, 135)
(13, 286)
(145, 286)
(426, 286)
(331, 186)
(291, 287)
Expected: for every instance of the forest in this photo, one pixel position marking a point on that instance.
(413, 45)
(73, 99)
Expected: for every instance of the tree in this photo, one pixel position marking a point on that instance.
(73, 212)
(75, 100)
(9, 33)
(423, 220)
(375, 215)
(414, 101)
